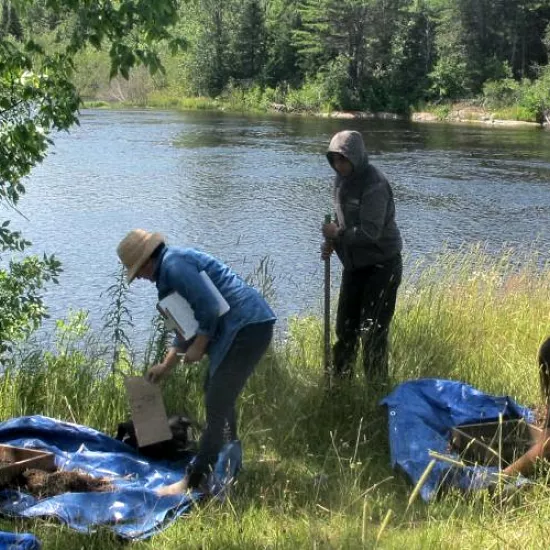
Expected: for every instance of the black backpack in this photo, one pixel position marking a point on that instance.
(179, 447)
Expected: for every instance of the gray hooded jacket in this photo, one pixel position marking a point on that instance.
(369, 235)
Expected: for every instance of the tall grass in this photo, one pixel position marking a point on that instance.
(475, 317)
(317, 471)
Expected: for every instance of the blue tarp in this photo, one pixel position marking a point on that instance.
(421, 414)
(133, 510)
(22, 541)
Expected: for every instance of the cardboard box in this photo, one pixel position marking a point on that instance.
(480, 443)
(148, 412)
(15, 460)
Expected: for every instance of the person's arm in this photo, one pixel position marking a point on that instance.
(197, 349)
(183, 276)
(157, 372)
(525, 463)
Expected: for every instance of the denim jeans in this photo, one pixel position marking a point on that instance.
(223, 389)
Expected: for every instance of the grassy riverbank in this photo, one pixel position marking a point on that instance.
(317, 473)
(455, 113)
(474, 112)
(502, 103)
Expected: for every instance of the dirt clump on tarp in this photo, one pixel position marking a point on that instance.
(47, 484)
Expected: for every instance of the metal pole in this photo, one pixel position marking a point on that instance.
(328, 369)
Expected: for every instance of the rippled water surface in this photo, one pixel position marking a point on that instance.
(244, 188)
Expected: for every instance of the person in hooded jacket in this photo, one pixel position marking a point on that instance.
(367, 241)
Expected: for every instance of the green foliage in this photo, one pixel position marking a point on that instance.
(205, 68)
(317, 465)
(157, 345)
(281, 65)
(536, 96)
(529, 98)
(309, 98)
(500, 93)
(442, 111)
(335, 83)
(365, 54)
(91, 76)
(450, 76)
(474, 317)
(310, 36)
(38, 97)
(72, 382)
(250, 42)
(118, 318)
(10, 24)
(546, 39)
(21, 305)
(165, 100)
(516, 112)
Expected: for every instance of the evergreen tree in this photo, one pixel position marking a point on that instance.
(310, 38)
(207, 60)
(250, 42)
(450, 77)
(10, 23)
(281, 52)
(412, 58)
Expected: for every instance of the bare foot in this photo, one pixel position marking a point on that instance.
(178, 488)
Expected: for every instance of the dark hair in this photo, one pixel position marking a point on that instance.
(157, 251)
(544, 369)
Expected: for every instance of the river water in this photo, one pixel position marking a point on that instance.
(246, 188)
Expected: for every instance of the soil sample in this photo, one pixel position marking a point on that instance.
(47, 484)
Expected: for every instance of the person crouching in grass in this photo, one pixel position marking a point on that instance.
(541, 449)
(234, 342)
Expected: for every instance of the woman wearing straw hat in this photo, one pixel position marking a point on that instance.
(234, 342)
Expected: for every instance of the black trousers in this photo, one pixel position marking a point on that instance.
(365, 309)
(222, 391)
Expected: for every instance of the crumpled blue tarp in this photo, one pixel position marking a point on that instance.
(18, 541)
(133, 510)
(421, 414)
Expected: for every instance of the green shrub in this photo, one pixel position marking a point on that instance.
(309, 98)
(536, 95)
(517, 112)
(501, 93)
(335, 85)
(526, 100)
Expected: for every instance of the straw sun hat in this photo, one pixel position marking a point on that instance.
(136, 248)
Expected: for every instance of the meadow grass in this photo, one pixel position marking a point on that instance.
(157, 100)
(316, 465)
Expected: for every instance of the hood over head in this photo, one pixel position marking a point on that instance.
(349, 144)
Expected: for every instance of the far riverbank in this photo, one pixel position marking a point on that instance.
(458, 113)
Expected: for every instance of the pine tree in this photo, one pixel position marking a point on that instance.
(10, 23)
(250, 42)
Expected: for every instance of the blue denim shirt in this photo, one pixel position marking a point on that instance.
(177, 269)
